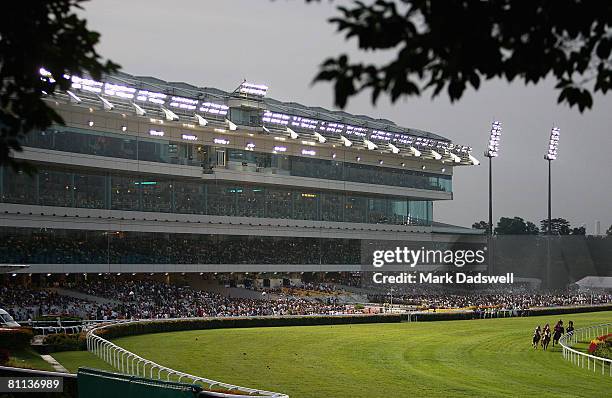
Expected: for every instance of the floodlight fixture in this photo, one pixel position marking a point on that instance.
(258, 90)
(436, 155)
(320, 137)
(292, 133)
(106, 103)
(169, 114)
(393, 148)
(415, 151)
(553, 144)
(494, 138)
(201, 121)
(156, 133)
(370, 145)
(139, 110)
(454, 157)
(221, 141)
(264, 128)
(73, 97)
(230, 125)
(346, 141)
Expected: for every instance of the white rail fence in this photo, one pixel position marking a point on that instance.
(582, 359)
(129, 363)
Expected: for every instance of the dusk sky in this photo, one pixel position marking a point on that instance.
(282, 43)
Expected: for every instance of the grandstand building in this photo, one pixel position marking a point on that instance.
(153, 176)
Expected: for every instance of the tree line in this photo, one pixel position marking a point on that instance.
(518, 226)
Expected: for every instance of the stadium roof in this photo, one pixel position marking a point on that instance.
(595, 282)
(176, 101)
(273, 105)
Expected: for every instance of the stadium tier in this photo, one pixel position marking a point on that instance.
(152, 176)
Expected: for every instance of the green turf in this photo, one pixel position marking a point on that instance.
(480, 358)
(30, 359)
(72, 360)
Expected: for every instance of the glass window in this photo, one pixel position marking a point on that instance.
(221, 199)
(156, 194)
(89, 191)
(355, 209)
(278, 203)
(55, 188)
(190, 197)
(125, 193)
(251, 201)
(305, 205)
(332, 206)
(19, 187)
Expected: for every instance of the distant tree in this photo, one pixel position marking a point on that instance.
(560, 226)
(450, 45)
(531, 228)
(579, 230)
(35, 34)
(609, 231)
(515, 226)
(480, 225)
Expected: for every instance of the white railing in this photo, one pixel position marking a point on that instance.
(582, 359)
(129, 363)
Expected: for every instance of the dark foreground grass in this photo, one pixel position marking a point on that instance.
(480, 358)
(29, 359)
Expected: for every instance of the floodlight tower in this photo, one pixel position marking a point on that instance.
(550, 156)
(492, 152)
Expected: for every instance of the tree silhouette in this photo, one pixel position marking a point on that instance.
(450, 45)
(36, 34)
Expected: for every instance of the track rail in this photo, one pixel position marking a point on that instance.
(581, 358)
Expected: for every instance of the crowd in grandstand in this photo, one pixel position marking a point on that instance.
(112, 298)
(151, 299)
(98, 247)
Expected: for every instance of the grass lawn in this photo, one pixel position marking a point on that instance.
(480, 358)
(72, 360)
(30, 359)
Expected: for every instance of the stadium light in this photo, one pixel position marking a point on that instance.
(139, 110)
(106, 103)
(320, 138)
(551, 155)
(201, 121)
(73, 97)
(169, 114)
(494, 138)
(221, 141)
(492, 152)
(156, 133)
(415, 151)
(231, 126)
(454, 157)
(258, 90)
(346, 141)
(292, 133)
(370, 145)
(436, 155)
(393, 148)
(553, 143)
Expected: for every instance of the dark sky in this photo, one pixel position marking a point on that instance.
(281, 43)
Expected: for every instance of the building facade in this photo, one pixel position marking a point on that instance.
(150, 176)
